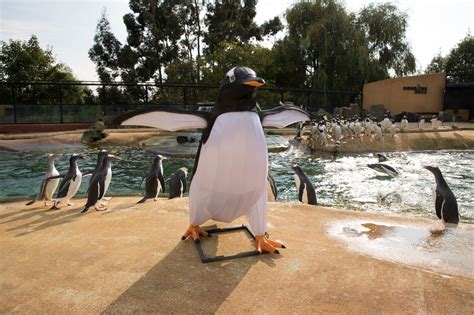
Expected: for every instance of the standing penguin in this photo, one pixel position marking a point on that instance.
(445, 202)
(99, 183)
(48, 186)
(272, 193)
(306, 191)
(70, 183)
(404, 124)
(154, 180)
(230, 171)
(178, 183)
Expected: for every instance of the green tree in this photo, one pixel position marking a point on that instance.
(106, 51)
(460, 62)
(27, 61)
(323, 48)
(437, 64)
(384, 27)
(233, 21)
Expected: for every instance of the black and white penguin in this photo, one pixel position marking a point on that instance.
(70, 183)
(154, 182)
(445, 202)
(230, 171)
(49, 183)
(272, 193)
(381, 157)
(306, 191)
(178, 183)
(99, 184)
(383, 168)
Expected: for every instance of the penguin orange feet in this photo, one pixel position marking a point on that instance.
(263, 244)
(194, 232)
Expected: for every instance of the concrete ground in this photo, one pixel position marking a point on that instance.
(130, 259)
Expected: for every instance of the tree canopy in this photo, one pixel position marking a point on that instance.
(27, 61)
(458, 64)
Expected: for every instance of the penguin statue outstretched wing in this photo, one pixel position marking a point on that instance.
(231, 165)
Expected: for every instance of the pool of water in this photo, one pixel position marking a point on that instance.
(344, 181)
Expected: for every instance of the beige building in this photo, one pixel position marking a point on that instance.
(421, 94)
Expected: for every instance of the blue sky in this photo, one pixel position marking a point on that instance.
(68, 26)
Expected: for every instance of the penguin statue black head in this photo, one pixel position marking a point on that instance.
(238, 91)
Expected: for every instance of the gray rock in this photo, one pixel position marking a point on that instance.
(355, 109)
(445, 116)
(337, 111)
(378, 111)
(322, 112)
(347, 112)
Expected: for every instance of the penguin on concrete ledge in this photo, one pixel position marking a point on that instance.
(231, 165)
(445, 202)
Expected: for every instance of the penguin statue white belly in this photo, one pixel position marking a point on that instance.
(231, 178)
(230, 170)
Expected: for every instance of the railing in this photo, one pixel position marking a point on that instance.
(78, 101)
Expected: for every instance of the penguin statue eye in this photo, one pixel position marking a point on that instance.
(232, 78)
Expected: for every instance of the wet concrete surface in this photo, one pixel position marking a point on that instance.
(448, 251)
(130, 259)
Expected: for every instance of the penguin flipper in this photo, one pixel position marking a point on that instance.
(184, 185)
(101, 189)
(166, 118)
(162, 182)
(283, 116)
(439, 205)
(301, 191)
(63, 188)
(42, 190)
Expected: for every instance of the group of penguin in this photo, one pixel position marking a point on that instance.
(100, 180)
(337, 129)
(154, 183)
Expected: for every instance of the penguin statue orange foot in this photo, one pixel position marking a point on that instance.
(230, 171)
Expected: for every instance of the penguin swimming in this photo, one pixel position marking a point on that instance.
(178, 183)
(99, 183)
(381, 157)
(230, 171)
(272, 193)
(154, 181)
(383, 168)
(445, 202)
(306, 191)
(48, 186)
(70, 183)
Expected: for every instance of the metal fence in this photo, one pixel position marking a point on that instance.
(28, 102)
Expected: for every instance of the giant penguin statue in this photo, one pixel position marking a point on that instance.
(230, 171)
(445, 202)
(49, 183)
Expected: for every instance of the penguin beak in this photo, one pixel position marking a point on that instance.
(256, 82)
(114, 157)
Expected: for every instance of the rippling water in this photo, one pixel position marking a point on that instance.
(343, 181)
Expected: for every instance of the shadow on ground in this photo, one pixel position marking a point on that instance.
(180, 283)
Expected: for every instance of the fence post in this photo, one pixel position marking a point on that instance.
(146, 94)
(61, 118)
(14, 104)
(282, 96)
(185, 97)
